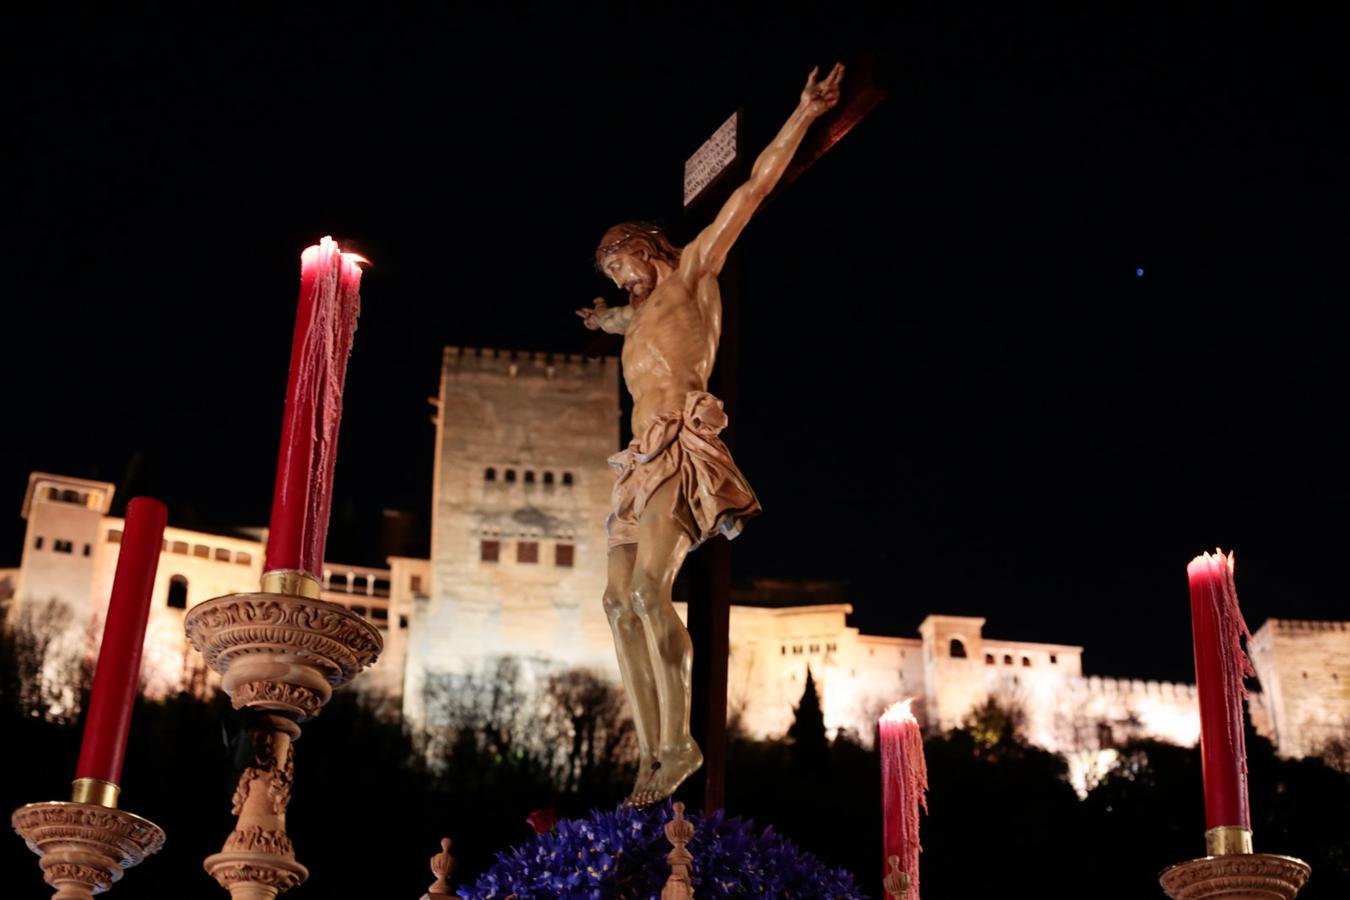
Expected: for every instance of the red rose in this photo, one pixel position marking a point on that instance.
(543, 820)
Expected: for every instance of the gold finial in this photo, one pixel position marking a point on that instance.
(680, 884)
(442, 864)
(896, 883)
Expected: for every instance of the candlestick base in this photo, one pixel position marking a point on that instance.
(1238, 876)
(84, 848)
(279, 656)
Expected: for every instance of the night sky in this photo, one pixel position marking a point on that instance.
(1065, 310)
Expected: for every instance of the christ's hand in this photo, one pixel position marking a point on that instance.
(820, 96)
(603, 317)
(594, 317)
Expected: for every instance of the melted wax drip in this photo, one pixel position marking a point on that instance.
(325, 325)
(904, 780)
(1218, 602)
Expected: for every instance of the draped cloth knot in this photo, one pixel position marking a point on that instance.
(713, 496)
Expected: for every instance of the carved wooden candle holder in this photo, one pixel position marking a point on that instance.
(280, 654)
(83, 847)
(1238, 876)
(1232, 871)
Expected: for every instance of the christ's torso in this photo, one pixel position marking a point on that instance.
(670, 345)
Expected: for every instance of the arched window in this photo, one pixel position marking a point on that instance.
(529, 477)
(1026, 661)
(510, 476)
(177, 592)
(567, 479)
(490, 474)
(989, 659)
(1007, 660)
(958, 649)
(548, 479)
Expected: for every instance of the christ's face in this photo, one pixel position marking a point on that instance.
(631, 271)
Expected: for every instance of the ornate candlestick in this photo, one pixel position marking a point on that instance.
(85, 847)
(280, 654)
(86, 844)
(1230, 871)
(1236, 876)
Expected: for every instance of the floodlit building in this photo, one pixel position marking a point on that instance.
(518, 567)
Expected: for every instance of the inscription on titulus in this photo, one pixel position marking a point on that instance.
(712, 159)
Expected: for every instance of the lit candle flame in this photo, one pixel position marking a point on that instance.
(347, 255)
(899, 712)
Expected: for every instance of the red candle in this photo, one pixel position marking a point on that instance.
(117, 677)
(904, 779)
(330, 301)
(1217, 628)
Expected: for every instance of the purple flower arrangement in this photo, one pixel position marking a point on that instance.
(622, 854)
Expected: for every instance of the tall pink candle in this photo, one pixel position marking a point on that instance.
(1217, 628)
(117, 676)
(904, 779)
(330, 302)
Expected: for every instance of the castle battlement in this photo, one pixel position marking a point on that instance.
(525, 363)
(1097, 686)
(1303, 625)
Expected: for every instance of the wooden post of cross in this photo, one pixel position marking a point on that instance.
(711, 174)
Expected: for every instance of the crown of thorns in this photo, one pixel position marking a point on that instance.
(635, 230)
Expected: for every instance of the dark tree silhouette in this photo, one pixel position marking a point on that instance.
(807, 732)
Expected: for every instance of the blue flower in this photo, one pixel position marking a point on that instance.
(622, 854)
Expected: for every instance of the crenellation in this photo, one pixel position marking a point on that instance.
(1300, 625)
(478, 361)
(518, 568)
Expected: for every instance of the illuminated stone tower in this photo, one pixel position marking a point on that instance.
(1304, 669)
(521, 491)
(61, 542)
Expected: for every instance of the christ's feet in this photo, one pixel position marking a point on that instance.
(673, 766)
(647, 767)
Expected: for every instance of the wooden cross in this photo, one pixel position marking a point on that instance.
(709, 616)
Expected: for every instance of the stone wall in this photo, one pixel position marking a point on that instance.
(1304, 669)
(520, 494)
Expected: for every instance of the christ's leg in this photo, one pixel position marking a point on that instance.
(635, 665)
(661, 548)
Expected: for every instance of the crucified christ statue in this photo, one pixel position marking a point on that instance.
(677, 484)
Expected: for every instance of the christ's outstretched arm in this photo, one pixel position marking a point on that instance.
(707, 253)
(603, 317)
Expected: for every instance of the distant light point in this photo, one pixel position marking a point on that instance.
(1139, 272)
